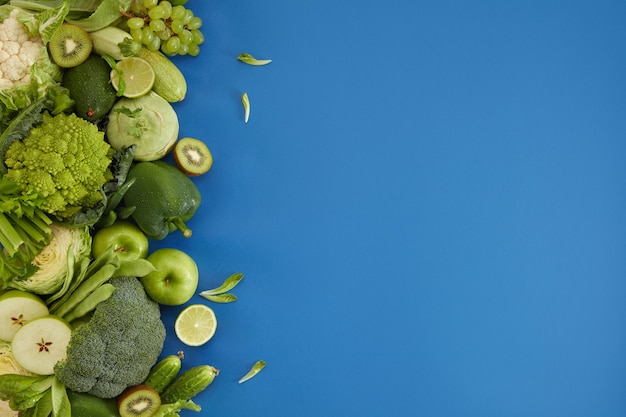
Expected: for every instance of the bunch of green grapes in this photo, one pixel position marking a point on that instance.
(175, 30)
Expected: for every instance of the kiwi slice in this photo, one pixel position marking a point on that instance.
(70, 45)
(139, 401)
(192, 156)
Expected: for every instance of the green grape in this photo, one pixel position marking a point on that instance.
(147, 35)
(183, 49)
(164, 34)
(177, 26)
(185, 37)
(194, 23)
(173, 44)
(198, 37)
(178, 12)
(168, 8)
(137, 34)
(154, 44)
(135, 23)
(157, 12)
(194, 49)
(188, 16)
(149, 4)
(157, 25)
(166, 50)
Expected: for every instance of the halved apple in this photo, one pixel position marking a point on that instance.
(16, 309)
(41, 343)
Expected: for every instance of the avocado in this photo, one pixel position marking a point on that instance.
(90, 88)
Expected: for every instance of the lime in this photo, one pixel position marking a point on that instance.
(195, 325)
(138, 76)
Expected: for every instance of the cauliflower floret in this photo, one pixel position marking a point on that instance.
(18, 52)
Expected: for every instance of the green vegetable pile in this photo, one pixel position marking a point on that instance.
(78, 156)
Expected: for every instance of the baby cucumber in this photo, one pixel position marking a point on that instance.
(189, 384)
(169, 81)
(163, 373)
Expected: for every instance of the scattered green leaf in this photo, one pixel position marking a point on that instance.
(227, 285)
(246, 107)
(256, 368)
(221, 298)
(250, 60)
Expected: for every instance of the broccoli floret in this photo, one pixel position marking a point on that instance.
(119, 344)
(66, 160)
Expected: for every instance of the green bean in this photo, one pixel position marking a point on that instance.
(90, 302)
(87, 287)
(135, 268)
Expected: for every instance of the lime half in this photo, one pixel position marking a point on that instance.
(195, 325)
(138, 76)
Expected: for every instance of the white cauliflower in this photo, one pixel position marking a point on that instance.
(18, 52)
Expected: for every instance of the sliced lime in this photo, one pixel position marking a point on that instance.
(195, 325)
(137, 74)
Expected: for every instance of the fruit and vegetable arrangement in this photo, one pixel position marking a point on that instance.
(87, 118)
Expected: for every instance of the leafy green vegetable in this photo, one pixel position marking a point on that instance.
(91, 13)
(106, 14)
(256, 368)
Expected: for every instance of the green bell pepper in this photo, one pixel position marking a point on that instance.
(163, 197)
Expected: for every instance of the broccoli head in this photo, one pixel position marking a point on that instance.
(66, 160)
(118, 346)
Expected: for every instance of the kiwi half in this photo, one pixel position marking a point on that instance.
(139, 401)
(192, 156)
(70, 45)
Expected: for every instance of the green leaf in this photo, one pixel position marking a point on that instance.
(121, 83)
(250, 60)
(51, 20)
(256, 368)
(107, 13)
(230, 283)
(246, 107)
(221, 298)
(60, 401)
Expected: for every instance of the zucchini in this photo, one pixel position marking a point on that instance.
(163, 373)
(115, 42)
(189, 384)
(169, 81)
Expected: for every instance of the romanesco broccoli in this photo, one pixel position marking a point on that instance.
(66, 160)
(118, 346)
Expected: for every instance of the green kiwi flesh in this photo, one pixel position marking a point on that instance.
(70, 46)
(192, 156)
(139, 401)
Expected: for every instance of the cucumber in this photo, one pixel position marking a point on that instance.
(87, 405)
(189, 384)
(163, 373)
(169, 81)
(115, 42)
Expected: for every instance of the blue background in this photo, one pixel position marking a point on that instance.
(428, 204)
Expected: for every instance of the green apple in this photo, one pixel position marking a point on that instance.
(176, 277)
(16, 309)
(41, 343)
(126, 238)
